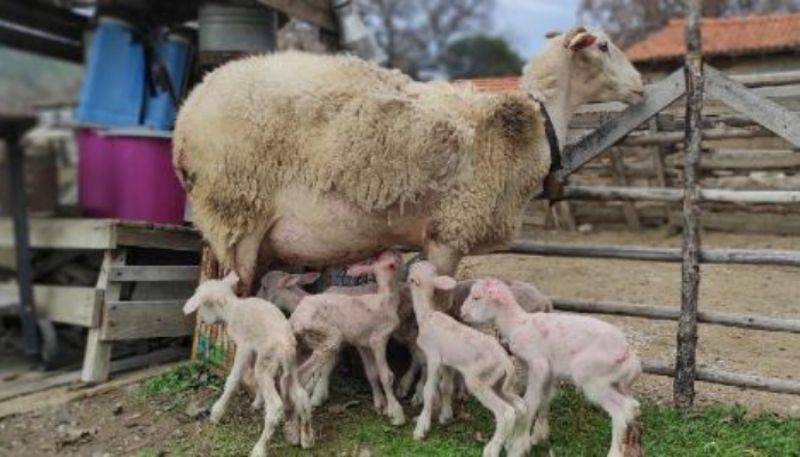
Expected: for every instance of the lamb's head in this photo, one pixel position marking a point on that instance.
(285, 289)
(384, 267)
(487, 298)
(598, 72)
(423, 280)
(210, 297)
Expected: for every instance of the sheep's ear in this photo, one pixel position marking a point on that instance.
(581, 40)
(307, 278)
(231, 280)
(287, 281)
(192, 304)
(552, 34)
(444, 283)
(359, 270)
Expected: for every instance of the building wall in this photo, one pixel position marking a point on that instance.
(765, 63)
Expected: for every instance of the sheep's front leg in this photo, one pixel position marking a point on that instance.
(433, 367)
(445, 259)
(541, 428)
(536, 399)
(393, 408)
(371, 371)
(240, 361)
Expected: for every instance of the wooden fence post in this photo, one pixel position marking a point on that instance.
(685, 370)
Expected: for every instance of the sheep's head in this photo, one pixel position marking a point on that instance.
(285, 289)
(486, 298)
(600, 71)
(210, 297)
(384, 267)
(423, 280)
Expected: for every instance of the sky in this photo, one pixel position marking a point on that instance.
(525, 22)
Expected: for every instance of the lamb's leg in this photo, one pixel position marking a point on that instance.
(622, 410)
(273, 406)
(504, 415)
(371, 371)
(322, 386)
(298, 430)
(240, 361)
(393, 408)
(418, 398)
(407, 381)
(541, 428)
(446, 388)
(433, 368)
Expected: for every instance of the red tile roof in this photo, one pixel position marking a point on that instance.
(731, 36)
(504, 84)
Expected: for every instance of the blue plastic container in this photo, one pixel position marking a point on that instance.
(112, 92)
(174, 53)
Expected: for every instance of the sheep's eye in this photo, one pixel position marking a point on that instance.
(603, 46)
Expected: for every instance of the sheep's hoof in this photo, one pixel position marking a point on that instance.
(541, 433)
(419, 435)
(445, 416)
(291, 432)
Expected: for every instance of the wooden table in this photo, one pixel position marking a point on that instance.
(109, 310)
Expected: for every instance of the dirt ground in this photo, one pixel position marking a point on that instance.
(123, 422)
(766, 290)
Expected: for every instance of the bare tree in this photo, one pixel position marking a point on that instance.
(415, 33)
(628, 21)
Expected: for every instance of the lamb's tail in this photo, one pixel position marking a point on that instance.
(509, 377)
(630, 370)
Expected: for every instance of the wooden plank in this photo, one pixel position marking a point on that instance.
(16, 389)
(124, 320)
(746, 321)
(657, 254)
(155, 273)
(97, 356)
(45, 18)
(631, 194)
(731, 159)
(766, 112)
(26, 41)
(157, 236)
(61, 304)
(620, 179)
(317, 12)
(63, 233)
(774, 385)
(657, 97)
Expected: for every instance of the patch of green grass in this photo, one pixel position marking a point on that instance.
(578, 429)
(186, 377)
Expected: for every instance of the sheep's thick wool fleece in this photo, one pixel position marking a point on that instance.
(371, 136)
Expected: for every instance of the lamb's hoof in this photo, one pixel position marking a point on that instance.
(491, 451)
(259, 451)
(318, 400)
(398, 420)
(291, 431)
(445, 416)
(307, 440)
(519, 446)
(632, 443)
(419, 435)
(541, 433)
(256, 404)
(416, 400)
(216, 414)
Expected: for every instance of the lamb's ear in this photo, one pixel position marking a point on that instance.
(581, 40)
(444, 283)
(359, 269)
(231, 280)
(192, 304)
(307, 278)
(287, 281)
(552, 34)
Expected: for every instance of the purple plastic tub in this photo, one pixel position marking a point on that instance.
(96, 194)
(146, 186)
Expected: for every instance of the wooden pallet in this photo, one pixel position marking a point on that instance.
(102, 308)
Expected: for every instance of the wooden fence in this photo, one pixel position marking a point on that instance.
(656, 122)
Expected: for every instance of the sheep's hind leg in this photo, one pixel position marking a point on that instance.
(446, 387)
(622, 410)
(240, 361)
(415, 367)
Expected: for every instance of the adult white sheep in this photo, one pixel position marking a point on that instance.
(322, 160)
